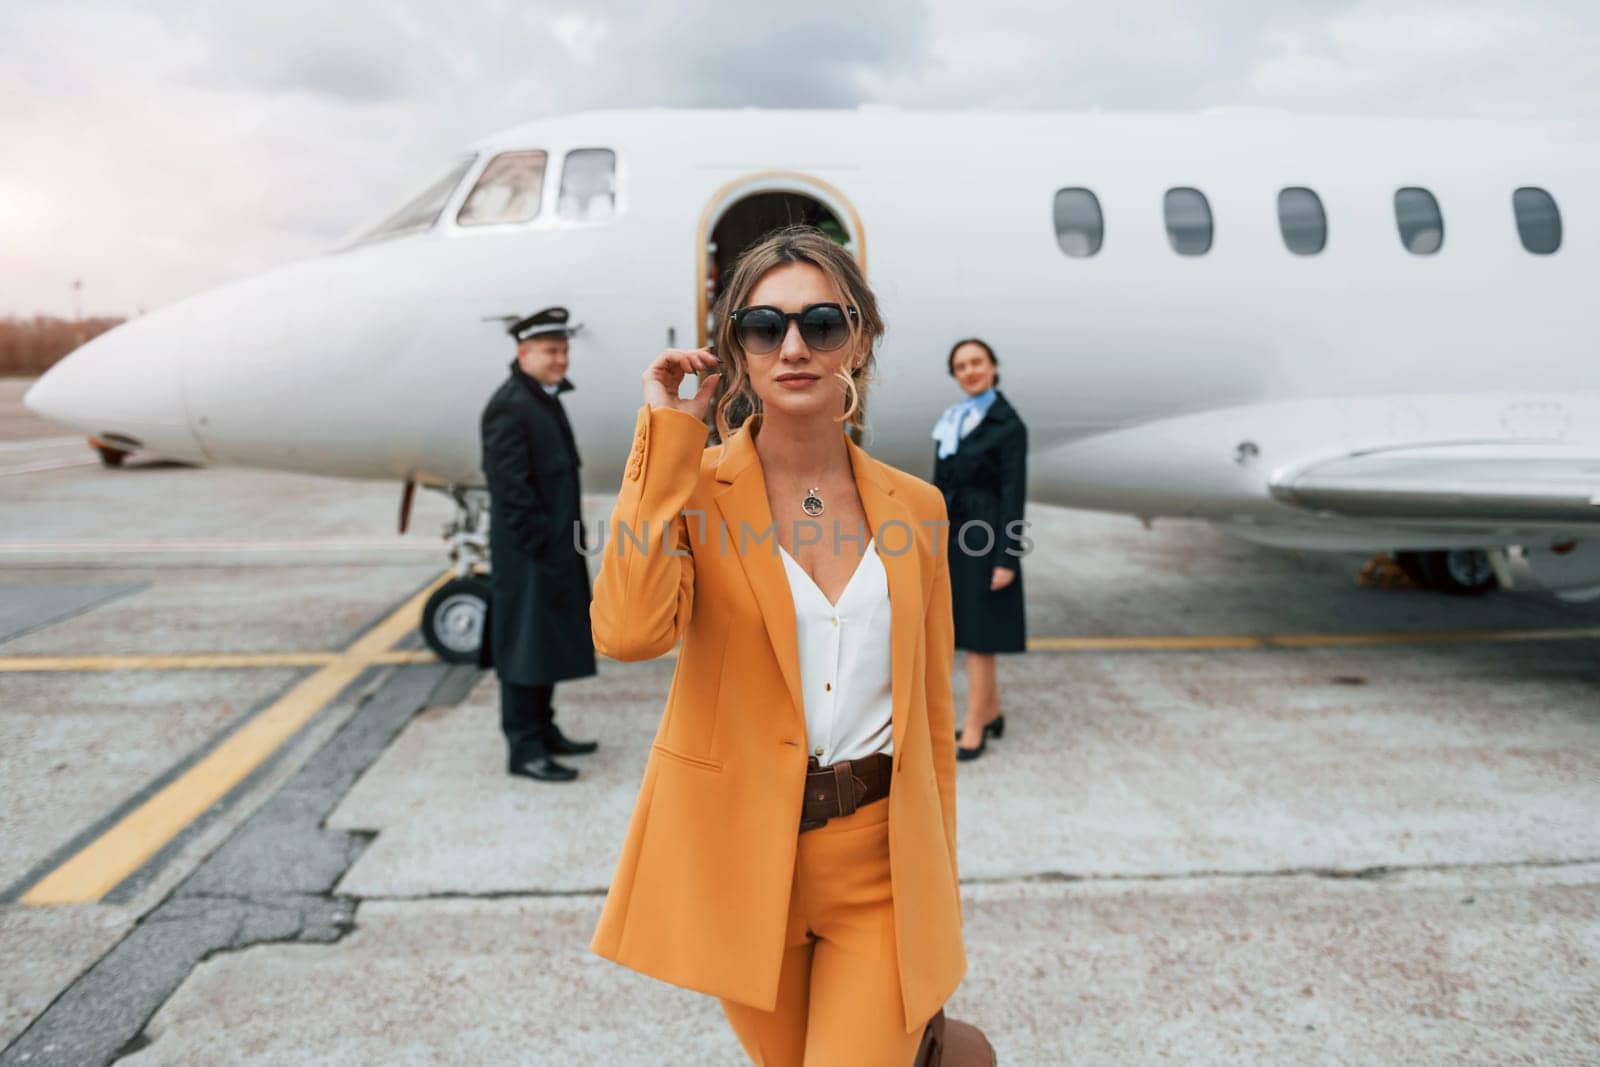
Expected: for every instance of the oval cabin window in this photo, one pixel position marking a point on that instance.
(1538, 220)
(1416, 213)
(1188, 221)
(1301, 221)
(1079, 225)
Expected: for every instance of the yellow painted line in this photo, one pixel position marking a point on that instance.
(1247, 642)
(1435, 637)
(202, 661)
(406, 656)
(1127, 643)
(1179, 643)
(105, 862)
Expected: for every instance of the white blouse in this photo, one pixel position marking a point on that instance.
(845, 673)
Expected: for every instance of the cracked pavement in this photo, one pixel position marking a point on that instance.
(1286, 855)
(1413, 880)
(271, 882)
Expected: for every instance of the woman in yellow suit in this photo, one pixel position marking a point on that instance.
(793, 847)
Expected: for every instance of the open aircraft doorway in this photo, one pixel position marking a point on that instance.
(749, 208)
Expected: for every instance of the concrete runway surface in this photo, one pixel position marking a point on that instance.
(248, 819)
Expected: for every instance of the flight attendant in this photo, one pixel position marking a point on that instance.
(809, 723)
(981, 466)
(538, 577)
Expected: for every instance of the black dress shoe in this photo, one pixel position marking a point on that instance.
(963, 753)
(996, 727)
(559, 744)
(541, 767)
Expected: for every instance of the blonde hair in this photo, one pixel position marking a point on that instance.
(736, 397)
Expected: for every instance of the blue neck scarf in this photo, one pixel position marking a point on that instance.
(959, 419)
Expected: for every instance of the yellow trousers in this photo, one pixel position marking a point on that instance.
(839, 991)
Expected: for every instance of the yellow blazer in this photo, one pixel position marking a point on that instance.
(701, 892)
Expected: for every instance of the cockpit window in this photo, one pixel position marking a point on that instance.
(422, 210)
(588, 185)
(508, 190)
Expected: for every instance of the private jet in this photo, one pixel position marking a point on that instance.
(1314, 332)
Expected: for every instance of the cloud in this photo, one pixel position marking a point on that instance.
(580, 34)
(165, 149)
(1497, 60)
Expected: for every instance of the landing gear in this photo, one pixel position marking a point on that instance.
(110, 455)
(1457, 571)
(454, 618)
(1411, 564)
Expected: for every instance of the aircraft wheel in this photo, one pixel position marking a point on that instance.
(1460, 571)
(453, 618)
(109, 457)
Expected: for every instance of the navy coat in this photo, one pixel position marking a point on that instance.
(539, 616)
(986, 481)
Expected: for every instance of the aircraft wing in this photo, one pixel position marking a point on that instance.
(1497, 482)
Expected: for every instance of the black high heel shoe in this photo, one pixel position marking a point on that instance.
(963, 754)
(995, 728)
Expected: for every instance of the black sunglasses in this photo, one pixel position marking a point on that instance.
(761, 329)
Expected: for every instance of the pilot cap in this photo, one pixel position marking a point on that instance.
(551, 322)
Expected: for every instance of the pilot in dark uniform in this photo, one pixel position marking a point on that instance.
(539, 625)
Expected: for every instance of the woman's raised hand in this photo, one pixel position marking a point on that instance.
(661, 380)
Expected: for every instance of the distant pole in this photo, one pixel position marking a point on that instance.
(77, 312)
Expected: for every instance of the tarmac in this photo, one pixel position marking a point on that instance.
(1245, 809)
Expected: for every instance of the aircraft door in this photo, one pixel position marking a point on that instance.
(744, 211)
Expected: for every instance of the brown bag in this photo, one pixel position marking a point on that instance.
(952, 1043)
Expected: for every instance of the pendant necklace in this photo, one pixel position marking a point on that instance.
(811, 503)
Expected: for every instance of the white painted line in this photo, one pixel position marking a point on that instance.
(59, 464)
(25, 548)
(42, 442)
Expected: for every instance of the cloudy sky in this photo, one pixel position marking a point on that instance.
(156, 149)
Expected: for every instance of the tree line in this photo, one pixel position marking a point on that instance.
(28, 346)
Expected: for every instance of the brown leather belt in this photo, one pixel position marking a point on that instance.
(840, 788)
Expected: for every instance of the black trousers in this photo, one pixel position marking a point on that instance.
(524, 713)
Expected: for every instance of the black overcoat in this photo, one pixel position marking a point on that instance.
(986, 481)
(539, 618)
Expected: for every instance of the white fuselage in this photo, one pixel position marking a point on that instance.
(1152, 383)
